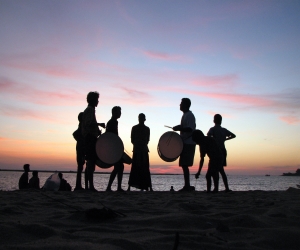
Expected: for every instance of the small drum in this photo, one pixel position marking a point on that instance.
(170, 146)
(109, 149)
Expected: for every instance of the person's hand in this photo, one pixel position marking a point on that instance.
(197, 175)
(177, 128)
(101, 125)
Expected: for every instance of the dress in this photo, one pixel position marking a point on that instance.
(140, 170)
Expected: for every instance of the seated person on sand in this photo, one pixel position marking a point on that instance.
(64, 185)
(23, 181)
(34, 181)
(208, 146)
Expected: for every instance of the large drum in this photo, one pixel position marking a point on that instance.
(170, 146)
(109, 149)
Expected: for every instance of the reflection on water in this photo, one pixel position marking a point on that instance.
(9, 181)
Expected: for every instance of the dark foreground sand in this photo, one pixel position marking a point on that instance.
(236, 220)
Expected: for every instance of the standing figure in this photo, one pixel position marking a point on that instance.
(34, 181)
(90, 132)
(80, 155)
(23, 181)
(112, 126)
(186, 128)
(140, 173)
(221, 135)
(208, 146)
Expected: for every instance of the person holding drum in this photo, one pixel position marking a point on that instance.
(186, 128)
(90, 132)
(140, 173)
(112, 126)
(208, 146)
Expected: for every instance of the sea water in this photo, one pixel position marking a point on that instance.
(163, 182)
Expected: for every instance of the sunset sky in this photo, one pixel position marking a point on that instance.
(237, 58)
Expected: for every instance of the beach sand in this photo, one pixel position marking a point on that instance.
(236, 220)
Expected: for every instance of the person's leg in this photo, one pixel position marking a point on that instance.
(112, 177)
(208, 181)
(86, 184)
(78, 176)
(224, 177)
(215, 176)
(186, 175)
(120, 175)
(90, 174)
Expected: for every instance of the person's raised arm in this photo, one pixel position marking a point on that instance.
(230, 136)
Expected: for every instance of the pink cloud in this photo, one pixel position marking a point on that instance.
(290, 119)
(43, 97)
(27, 113)
(163, 56)
(216, 81)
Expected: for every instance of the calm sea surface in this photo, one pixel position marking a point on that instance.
(9, 181)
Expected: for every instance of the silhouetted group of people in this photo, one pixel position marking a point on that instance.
(212, 145)
(86, 136)
(34, 181)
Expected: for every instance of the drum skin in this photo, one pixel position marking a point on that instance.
(109, 148)
(170, 146)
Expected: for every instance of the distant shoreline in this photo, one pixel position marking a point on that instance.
(65, 171)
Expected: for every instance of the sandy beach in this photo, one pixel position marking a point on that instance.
(236, 220)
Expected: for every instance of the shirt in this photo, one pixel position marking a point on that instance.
(89, 122)
(219, 134)
(188, 121)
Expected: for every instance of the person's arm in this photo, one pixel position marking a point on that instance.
(200, 167)
(230, 135)
(180, 128)
(202, 155)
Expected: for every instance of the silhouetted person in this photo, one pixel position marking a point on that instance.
(172, 189)
(208, 146)
(64, 185)
(90, 132)
(140, 170)
(221, 135)
(80, 155)
(23, 181)
(112, 126)
(34, 181)
(186, 128)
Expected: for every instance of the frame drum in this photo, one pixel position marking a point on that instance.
(109, 149)
(170, 146)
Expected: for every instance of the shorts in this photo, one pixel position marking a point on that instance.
(187, 155)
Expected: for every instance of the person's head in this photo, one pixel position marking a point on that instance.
(93, 98)
(80, 116)
(116, 112)
(26, 167)
(218, 119)
(35, 173)
(198, 136)
(60, 175)
(185, 104)
(142, 118)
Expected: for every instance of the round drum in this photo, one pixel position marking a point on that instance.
(170, 146)
(109, 149)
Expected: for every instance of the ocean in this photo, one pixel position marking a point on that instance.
(163, 182)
